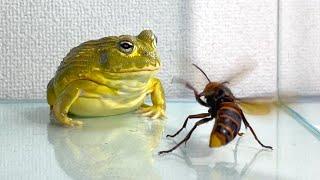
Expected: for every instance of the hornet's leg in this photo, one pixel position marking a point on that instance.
(196, 94)
(246, 123)
(202, 121)
(202, 115)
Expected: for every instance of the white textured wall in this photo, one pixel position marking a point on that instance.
(228, 36)
(300, 47)
(220, 36)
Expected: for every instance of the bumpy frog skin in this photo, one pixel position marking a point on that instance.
(109, 76)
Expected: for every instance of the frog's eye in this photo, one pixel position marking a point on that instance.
(155, 39)
(126, 46)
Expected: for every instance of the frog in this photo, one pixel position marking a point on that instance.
(108, 76)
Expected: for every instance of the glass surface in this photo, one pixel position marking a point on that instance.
(307, 113)
(126, 147)
(298, 59)
(308, 110)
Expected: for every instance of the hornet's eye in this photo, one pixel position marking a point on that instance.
(126, 46)
(220, 92)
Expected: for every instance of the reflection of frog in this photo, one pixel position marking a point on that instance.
(114, 147)
(109, 76)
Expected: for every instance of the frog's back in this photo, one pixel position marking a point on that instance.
(78, 63)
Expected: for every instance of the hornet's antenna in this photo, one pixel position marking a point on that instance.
(202, 71)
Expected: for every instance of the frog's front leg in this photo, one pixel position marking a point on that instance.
(70, 94)
(157, 110)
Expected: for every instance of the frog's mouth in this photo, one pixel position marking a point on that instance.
(136, 69)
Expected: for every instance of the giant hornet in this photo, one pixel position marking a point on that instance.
(225, 109)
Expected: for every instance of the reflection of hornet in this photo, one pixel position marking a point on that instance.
(223, 106)
(224, 170)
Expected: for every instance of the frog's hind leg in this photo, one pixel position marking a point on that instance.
(62, 105)
(70, 94)
(51, 97)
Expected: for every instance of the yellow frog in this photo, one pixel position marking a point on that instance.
(109, 76)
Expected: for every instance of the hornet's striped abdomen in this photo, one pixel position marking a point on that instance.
(227, 124)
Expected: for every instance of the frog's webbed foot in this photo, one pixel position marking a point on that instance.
(64, 120)
(154, 112)
(71, 123)
(68, 122)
